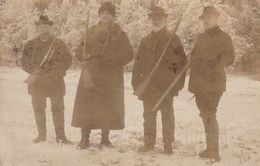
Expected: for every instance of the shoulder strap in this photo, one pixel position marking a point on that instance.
(34, 49)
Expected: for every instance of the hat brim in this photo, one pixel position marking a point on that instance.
(204, 15)
(41, 23)
(152, 15)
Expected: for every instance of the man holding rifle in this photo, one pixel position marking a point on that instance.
(46, 59)
(160, 53)
(99, 102)
(212, 53)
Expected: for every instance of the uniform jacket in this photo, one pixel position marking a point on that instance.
(50, 79)
(213, 51)
(149, 52)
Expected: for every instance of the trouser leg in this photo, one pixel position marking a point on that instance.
(207, 105)
(168, 121)
(39, 106)
(57, 108)
(149, 124)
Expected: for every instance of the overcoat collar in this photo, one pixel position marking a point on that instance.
(213, 30)
(113, 33)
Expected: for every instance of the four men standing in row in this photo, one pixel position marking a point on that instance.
(106, 49)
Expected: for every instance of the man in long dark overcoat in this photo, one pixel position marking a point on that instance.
(212, 53)
(149, 53)
(99, 102)
(49, 80)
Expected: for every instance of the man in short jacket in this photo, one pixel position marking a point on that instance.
(148, 55)
(212, 53)
(48, 82)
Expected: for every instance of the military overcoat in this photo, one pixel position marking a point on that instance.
(103, 104)
(50, 80)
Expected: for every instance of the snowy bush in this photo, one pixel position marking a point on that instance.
(240, 20)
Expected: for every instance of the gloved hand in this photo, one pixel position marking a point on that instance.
(173, 67)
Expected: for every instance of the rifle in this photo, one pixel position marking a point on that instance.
(103, 49)
(101, 53)
(46, 59)
(87, 80)
(142, 87)
(183, 70)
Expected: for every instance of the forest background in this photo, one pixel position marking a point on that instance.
(239, 18)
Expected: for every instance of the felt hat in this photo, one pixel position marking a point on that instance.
(209, 10)
(157, 12)
(43, 20)
(107, 6)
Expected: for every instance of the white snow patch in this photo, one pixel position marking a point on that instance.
(238, 117)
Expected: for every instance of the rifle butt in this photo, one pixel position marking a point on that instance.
(184, 69)
(32, 77)
(87, 80)
(142, 87)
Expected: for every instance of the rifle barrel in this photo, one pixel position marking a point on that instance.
(85, 35)
(47, 56)
(141, 88)
(171, 86)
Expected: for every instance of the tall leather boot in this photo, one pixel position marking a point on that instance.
(58, 121)
(168, 127)
(149, 142)
(206, 128)
(167, 140)
(40, 119)
(105, 137)
(213, 142)
(212, 138)
(149, 128)
(84, 142)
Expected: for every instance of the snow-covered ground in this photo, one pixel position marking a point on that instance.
(238, 115)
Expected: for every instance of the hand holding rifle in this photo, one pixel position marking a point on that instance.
(142, 87)
(46, 59)
(88, 83)
(167, 91)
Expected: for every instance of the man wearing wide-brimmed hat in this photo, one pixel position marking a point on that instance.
(212, 53)
(148, 55)
(49, 80)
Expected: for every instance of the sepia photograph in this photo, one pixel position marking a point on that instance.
(129, 82)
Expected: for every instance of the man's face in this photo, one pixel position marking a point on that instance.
(209, 21)
(158, 22)
(106, 17)
(44, 30)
